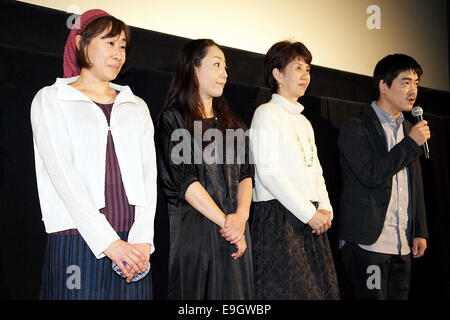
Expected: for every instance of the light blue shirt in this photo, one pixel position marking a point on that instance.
(397, 224)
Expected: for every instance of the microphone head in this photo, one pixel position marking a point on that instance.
(417, 111)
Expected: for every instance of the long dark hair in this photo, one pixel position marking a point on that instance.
(184, 93)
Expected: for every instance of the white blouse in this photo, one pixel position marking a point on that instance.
(70, 134)
(284, 152)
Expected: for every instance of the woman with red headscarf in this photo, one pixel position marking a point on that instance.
(96, 170)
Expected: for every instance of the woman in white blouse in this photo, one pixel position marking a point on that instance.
(95, 170)
(291, 253)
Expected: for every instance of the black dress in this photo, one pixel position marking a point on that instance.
(291, 263)
(200, 262)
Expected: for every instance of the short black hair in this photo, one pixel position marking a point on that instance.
(280, 55)
(388, 68)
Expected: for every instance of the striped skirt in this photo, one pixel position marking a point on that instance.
(71, 272)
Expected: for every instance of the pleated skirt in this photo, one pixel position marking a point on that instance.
(290, 262)
(72, 272)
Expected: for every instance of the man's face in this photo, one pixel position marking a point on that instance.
(403, 91)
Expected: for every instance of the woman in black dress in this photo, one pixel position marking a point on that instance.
(207, 181)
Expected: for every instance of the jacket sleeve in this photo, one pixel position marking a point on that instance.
(421, 228)
(53, 145)
(142, 230)
(275, 178)
(370, 166)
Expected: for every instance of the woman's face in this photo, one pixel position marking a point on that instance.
(106, 55)
(294, 79)
(212, 74)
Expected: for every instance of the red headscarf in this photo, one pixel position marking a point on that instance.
(71, 67)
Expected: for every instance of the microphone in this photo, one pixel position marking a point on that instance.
(417, 113)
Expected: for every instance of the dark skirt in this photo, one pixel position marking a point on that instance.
(200, 263)
(290, 262)
(72, 272)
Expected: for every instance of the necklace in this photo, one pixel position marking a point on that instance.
(308, 157)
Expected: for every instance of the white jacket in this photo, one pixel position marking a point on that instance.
(281, 172)
(70, 134)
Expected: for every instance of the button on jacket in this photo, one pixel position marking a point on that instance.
(70, 134)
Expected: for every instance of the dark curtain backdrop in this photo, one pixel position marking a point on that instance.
(30, 58)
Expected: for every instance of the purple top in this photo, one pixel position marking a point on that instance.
(118, 212)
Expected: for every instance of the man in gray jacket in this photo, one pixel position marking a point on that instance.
(382, 211)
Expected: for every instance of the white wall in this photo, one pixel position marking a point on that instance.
(335, 31)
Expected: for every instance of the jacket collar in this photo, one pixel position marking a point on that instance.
(68, 93)
(372, 116)
(296, 108)
(386, 118)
